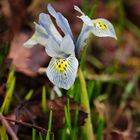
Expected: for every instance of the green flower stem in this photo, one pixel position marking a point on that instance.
(87, 128)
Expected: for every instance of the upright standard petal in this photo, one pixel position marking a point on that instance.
(61, 21)
(62, 71)
(103, 28)
(46, 22)
(52, 47)
(67, 45)
(65, 48)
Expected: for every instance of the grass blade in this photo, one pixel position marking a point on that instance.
(8, 98)
(100, 128)
(49, 126)
(3, 134)
(44, 100)
(87, 128)
(40, 136)
(29, 95)
(33, 134)
(67, 115)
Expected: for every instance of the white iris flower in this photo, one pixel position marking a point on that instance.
(99, 27)
(62, 69)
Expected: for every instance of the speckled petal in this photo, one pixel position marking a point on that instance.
(103, 28)
(62, 71)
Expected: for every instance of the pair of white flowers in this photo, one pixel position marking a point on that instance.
(62, 69)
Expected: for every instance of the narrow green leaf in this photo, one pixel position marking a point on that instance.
(3, 134)
(100, 128)
(33, 134)
(40, 136)
(75, 129)
(90, 88)
(44, 100)
(63, 133)
(87, 128)
(8, 98)
(29, 95)
(50, 121)
(52, 136)
(11, 76)
(49, 126)
(67, 115)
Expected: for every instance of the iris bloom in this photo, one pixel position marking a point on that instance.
(99, 27)
(63, 66)
(62, 69)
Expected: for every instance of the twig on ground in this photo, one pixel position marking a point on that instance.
(8, 127)
(43, 130)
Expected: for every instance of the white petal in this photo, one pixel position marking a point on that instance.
(40, 34)
(30, 42)
(52, 47)
(67, 45)
(46, 22)
(78, 9)
(63, 76)
(61, 21)
(84, 35)
(83, 17)
(51, 10)
(86, 20)
(103, 28)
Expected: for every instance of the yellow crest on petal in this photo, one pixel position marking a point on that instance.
(100, 25)
(33, 37)
(61, 65)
